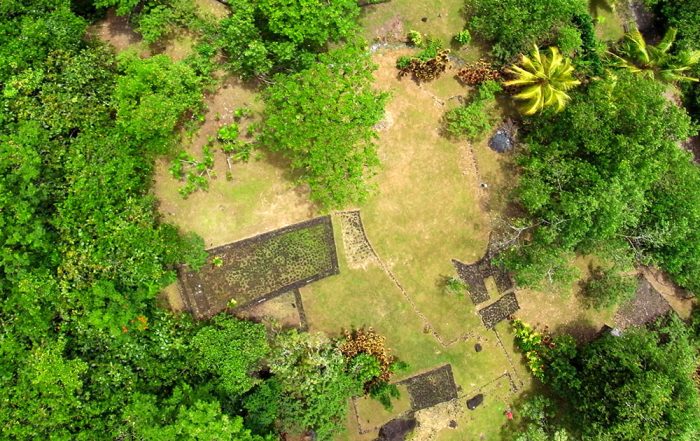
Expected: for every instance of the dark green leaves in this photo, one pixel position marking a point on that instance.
(322, 119)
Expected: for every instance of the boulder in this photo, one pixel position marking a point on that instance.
(475, 401)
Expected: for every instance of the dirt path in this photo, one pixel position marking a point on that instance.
(117, 32)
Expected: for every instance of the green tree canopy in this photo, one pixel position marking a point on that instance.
(637, 386)
(263, 36)
(322, 119)
(514, 26)
(310, 388)
(589, 172)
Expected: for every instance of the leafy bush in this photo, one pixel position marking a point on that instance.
(472, 120)
(590, 59)
(538, 413)
(415, 38)
(332, 142)
(193, 172)
(533, 344)
(464, 37)
(514, 26)
(228, 133)
(455, 286)
(569, 40)
(152, 96)
(606, 288)
(263, 37)
(431, 48)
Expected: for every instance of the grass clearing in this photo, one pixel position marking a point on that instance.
(372, 415)
(262, 195)
(444, 18)
(413, 223)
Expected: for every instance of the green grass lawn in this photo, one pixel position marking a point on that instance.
(367, 297)
(444, 18)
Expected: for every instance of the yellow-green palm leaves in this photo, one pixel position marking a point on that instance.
(637, 56)
(544, 79)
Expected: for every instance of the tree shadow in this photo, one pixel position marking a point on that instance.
(582, 329)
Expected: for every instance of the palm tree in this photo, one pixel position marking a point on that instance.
(544, 79)
(637, 56)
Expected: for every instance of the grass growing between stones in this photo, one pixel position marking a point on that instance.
(367, 297)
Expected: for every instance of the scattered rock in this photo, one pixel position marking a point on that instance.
(397, 429)
(505, 137)
(453, 424)
(477, 347)
(501, 141)
(385, 122)
(424, 19)
(475, 402)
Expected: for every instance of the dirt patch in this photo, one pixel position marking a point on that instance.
(212, 7)
(357, 248)
(645, 307)
(681, 300)
(391, 31)
(434, 419)
(116, 31)
(431, 388)
(499, 310)
(257, 269)
(171, 298)
(285, 311)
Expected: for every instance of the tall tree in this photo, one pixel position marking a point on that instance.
(638, 386)
(544, 81)
(322, 119)
(657, 61)
(261, 37)
(588, 171)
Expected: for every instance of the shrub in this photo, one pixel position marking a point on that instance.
(265, 36)
(455, 286)
(472, 120)
(464, 37)
(607, 287)
(332, 143)
(431, 49)
(424, 69)
(415, 38)
(228, 133)
(476, 73)
(569, 40)
(513, 26)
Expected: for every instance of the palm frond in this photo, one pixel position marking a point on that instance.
(666, 42)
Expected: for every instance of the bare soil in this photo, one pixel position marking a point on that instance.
(116, 31)
(680, 300)
(645, 307)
